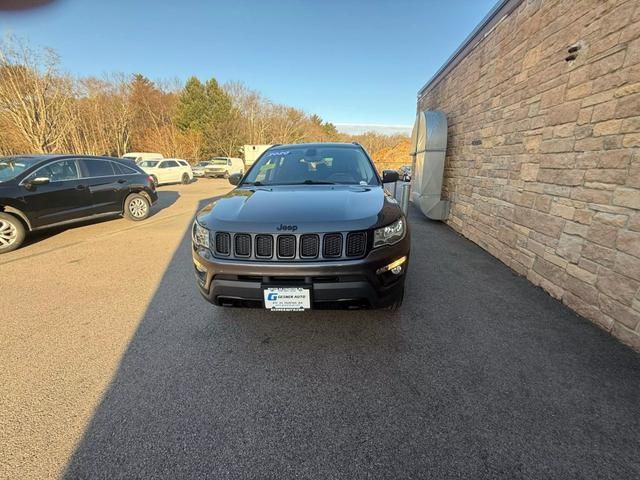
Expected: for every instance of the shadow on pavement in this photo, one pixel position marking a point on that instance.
(166, 198)
(480, 375)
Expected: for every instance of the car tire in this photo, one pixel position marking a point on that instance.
(155, 180)
(185, 178)
(137, 207)
(12, 233)
(397, 302)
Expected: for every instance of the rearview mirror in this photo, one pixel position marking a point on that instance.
(234, 178)
(38, 181)
(390, 176)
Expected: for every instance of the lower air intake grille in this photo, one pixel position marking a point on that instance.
(286, 246)
(243, 244)
(356, 244)
(264, 246)
(332, 245)
(309, 246)
(223, 243)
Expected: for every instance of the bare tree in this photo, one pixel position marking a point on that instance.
(34, 96)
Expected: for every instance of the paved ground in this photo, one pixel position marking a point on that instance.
(113, 367)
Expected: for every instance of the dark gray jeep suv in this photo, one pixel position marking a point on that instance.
(308, 226)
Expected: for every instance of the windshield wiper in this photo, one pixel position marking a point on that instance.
(314, 182)
(257, 184)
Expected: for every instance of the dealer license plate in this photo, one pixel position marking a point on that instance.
(287, 299)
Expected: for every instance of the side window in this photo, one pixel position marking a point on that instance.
(97, 168)
(183, 163)
(58, 171)
(169, 164)
(122, 169)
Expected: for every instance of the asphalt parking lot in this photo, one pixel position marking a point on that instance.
(114, 367)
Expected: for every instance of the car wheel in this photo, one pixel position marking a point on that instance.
(12, 233)
(155, 180)
(137, 207)
(185, 178)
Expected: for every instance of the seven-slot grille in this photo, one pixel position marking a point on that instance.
(308, 246)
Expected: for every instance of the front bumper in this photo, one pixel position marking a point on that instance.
(214, 173)
(340, 284)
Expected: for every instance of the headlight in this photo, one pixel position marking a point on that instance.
(390, 234)
(200, 235)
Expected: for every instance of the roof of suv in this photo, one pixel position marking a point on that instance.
(318, 144)
(49, 156)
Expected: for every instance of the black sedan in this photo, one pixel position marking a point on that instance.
(41, 191)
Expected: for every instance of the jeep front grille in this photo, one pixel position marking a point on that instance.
(291, 247)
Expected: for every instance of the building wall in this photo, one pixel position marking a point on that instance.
(543, 159)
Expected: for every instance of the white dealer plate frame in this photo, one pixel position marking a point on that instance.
(287, 299)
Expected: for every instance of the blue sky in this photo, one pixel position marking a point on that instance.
(349, 61)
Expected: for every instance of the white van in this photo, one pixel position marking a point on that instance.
(140, 156)
(223, 167)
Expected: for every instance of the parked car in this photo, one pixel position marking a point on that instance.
(199, 168)
(138, 157)
(405, 173)
(308, 226)
(41, 191)
(224, 167)
(168, 170)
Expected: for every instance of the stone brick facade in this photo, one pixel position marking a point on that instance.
(543, 158)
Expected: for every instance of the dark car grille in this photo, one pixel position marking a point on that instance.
(309, 246)
(356, 244)
(223, 243)
(243, 244)
(264, 246)
(332, 245)
(286, 246)
(305, 247)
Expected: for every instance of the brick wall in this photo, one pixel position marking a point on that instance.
(543, 159)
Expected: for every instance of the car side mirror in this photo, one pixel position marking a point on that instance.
(37, 181)
(390, 176)
(234, 178)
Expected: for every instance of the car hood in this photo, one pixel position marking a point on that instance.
(301, 208)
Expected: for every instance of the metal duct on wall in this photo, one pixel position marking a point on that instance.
(428, 148)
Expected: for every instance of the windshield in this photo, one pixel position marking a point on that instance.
(219, 161)
(11, 167)
(202, 164)
(308, 165)
(149, 163)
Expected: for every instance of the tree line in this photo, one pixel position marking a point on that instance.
(46, 110)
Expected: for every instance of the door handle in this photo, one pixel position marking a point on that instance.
(81, 187)
(122, 180)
